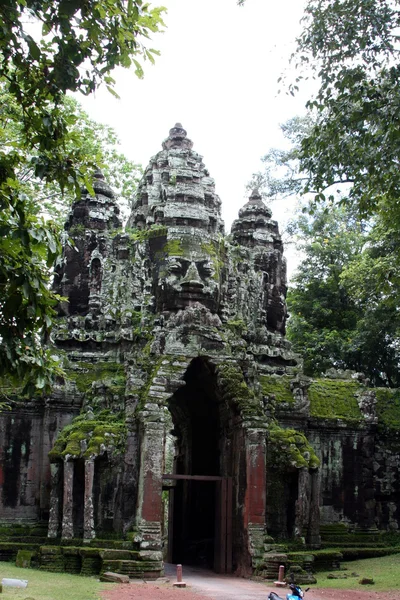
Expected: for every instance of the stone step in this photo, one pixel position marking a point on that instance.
(134, 568)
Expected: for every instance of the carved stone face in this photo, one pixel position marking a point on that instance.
(187, 275)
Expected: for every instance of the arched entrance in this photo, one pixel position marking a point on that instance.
(200, 487)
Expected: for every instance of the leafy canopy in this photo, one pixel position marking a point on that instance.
(343, 312)
(353, 48)
(80, 43)
(344, 297)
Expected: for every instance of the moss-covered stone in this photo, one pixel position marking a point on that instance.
(278, 386)
(84, 374)
(288, 448)
(89, 435)
(25, 558)
(173, 248)
(334, 399)
(388, 407)
(236, 391)
(236, 326)
(214, 251)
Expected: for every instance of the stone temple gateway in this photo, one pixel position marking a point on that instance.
(185, 430)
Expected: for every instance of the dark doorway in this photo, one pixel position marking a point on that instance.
(195, 491)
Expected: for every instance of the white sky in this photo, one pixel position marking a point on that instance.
(217, 75)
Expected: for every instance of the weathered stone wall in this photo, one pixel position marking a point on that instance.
(27, 434)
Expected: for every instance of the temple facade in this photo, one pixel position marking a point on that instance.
(184, 428)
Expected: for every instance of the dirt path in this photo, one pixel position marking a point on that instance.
(206, 585)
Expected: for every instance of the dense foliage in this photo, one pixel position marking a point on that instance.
(47, 49)
(343, 314)
(345, 157)
(353, 47)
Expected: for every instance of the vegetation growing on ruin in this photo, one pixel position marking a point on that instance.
(142, 235)
(91, 435)
(77, 229)
(288, 448)
(173, 248)
(214, 252)
(237, 326)
(150, 366)
(85, 373)
(388, 407)
(235, 390)
(277, 386)
(334, 399)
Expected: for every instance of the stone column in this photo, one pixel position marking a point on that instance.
(255, 497)
(67, 518)
(314, 537)
(149, 511)
(302, 502)
(88, 511)
(55, 500)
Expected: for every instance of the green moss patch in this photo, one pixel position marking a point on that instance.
(85, 373)
(334, 399)
(278, 386)
(25, 558)
(236, 326)
(234, 389)
(288, 448)
(388, 407)
(173, 248)
(215, 251)
(86, 437)
(141, 235)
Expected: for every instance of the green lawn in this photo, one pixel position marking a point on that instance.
(384, 571)
(50, 586)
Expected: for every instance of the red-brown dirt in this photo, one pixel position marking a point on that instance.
(151, 591)
(225, 590)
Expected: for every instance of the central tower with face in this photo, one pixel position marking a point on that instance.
(177, 206)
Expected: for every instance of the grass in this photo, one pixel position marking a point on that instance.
(384, 571)
(50, 586)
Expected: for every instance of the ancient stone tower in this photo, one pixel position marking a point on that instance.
(180, 427)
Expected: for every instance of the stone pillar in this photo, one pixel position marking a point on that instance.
(303, 502)
(314, 537)
(149, 511)
(255, 497)
(67, 518)
(88, 511)
(55, 500)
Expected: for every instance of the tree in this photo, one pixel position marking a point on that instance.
(281, 176)
(81, 42)
(340, 316)
(97, 143)
(352, 45)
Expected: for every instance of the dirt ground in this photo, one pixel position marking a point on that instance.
(151, 591)
(228, 588)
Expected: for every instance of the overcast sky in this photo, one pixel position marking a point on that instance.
(217, 75)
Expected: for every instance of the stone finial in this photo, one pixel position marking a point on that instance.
(255, 205)
(177, 129)
(100, 185)
(98, 174)
(177, 138)
(255, 196)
